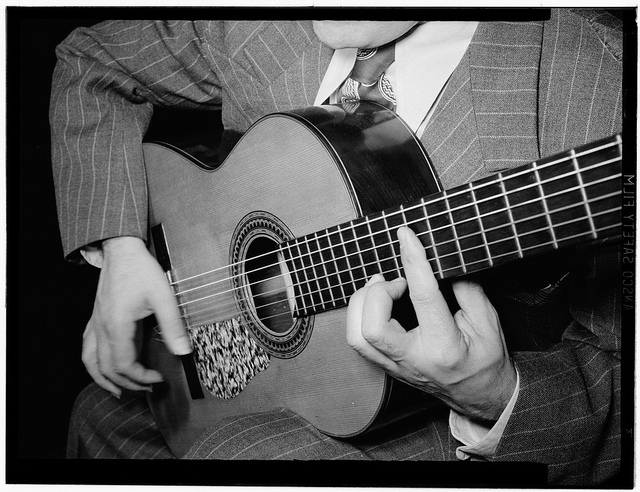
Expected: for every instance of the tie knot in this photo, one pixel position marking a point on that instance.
(371, 63)
(368, 80)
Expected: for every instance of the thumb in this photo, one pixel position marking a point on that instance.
(172, 328)
(379, 329)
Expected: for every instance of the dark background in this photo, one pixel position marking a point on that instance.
(54, 299)
(49, 300)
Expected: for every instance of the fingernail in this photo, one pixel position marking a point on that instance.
(402, 237)
(116, 395)
(183, 346)
(375, 278)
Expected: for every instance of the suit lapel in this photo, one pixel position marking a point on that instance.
(285, 61)
(486, 119)
(504, 71)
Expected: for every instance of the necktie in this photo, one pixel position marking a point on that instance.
(368, 80)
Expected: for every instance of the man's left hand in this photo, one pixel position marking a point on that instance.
(461, 359)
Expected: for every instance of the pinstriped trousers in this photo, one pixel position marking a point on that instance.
(103, 426)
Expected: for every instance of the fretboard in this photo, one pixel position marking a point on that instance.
(555, 202)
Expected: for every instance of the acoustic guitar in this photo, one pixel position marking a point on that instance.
(264, 251)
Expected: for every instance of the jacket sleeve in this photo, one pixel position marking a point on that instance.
(106, 81)
(568, 411)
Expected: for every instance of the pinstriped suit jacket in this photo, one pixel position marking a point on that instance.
(522, 91)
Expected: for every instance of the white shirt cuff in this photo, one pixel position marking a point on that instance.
(480, 440)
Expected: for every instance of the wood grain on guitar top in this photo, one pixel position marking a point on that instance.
(299, 215)
(282, 166)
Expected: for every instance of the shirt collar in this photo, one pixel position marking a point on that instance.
(424, 62)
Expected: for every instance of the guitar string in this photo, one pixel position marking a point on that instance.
(433, 247)
(460, 252)
(362, 268)
(462, 191)
(432, 231)
(361, 280)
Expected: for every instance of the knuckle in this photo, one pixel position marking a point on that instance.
(121, 368)
(357, 298)
(352, 340)
(449, 360)
(372, 333)
(421, 299)
(376, 291)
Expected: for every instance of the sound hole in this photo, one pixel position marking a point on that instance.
(263, 289)
(268, 286)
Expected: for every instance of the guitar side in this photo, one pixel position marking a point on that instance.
(284, 167)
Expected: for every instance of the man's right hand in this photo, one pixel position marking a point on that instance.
(132, 286)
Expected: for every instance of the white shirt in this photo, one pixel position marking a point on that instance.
(424, 62)
(429, 54)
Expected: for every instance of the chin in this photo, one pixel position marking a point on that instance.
(360, 34)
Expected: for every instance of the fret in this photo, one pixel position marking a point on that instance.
(365, 247)
(313, 272)
(585, 200)
(306, 296)
(480, 225)
(373, 245)
(392, 220)
(554, 240)
(539, 207)
(333, 265)
(383, 248)
(393, 244)
(348, 249)
(294, 266)
(601, 173)
(469, 229)
(562, 186)
(454, 232)
(321, 290)
(417, 217)
(494, 221)
(528, 207)
(510, 213)
(327, 261)
(444, 237)
(439, 269)
(342, 267)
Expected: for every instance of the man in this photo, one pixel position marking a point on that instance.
(482, 97)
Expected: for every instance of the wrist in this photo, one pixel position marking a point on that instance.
(97, 252)
(115, 245)
(489, 399)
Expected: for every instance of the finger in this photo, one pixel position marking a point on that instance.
(355, 337)
(476, 313)
(118, 361)
(431, 308)
(470, 296)
(90, 361)
(379, 329)
(354, 313)
(360, 333)
(170, 323)
(139, 377)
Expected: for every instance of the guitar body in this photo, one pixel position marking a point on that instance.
(290, 175)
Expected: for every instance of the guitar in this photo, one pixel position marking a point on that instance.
(264, 252)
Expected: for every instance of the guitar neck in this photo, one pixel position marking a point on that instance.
(559, 201)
